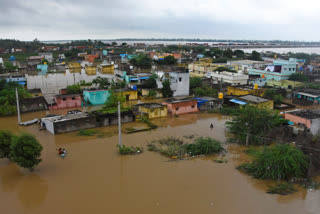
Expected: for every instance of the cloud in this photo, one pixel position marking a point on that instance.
(104, 19)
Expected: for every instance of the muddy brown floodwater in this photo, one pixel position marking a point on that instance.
(93, 178)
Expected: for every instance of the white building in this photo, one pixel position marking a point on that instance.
(47, 55)
(1, 62)
(179, 82)
(228, 77)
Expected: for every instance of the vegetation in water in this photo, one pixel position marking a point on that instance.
(73, 89)
(126, 150)
(25, 150)
(280, 161)
(148, 122)
(166, 89)
(281, 189)
(176, 148)
(87, 132)
(6, 138)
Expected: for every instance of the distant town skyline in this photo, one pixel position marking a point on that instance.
(203, 19)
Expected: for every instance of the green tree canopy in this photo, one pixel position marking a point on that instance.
(151, 82)
(5, 142)
(26, 151)
(299, 77)
(256, 56)
(166, 89)
(228, 53)
(73, 89)
(142, 61)
(239, 53)
(169, 60)
(103, 83)
(195, 82)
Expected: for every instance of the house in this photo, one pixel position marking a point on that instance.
(179, 81)
(279, 70)
(244, 65)
(201, 69)
(50, 48)
(309, 118)
(70, 122)
(90, 58)
(47, 55)
(129, 94)
(245, 90)
(286, 84)
(74, 67)
(90, 69)
(260, 80)
(152, 110)
(63, 101)
(61, 57)
(108, 119)
(1, 62)
(37, 103)
(34, 60)
(36, 92)
(156, 93)
(19, 78)
(181, 106)
(228, 77)
(208, 103)
(96, 97)
(42, 68)
(306, 96)
(259, 102)
(106, 68)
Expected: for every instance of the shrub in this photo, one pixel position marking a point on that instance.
(26, 151)
(86, 132)
(281, 188)
(204, 146)
(281, 161)
(5, 142)
(125, 150)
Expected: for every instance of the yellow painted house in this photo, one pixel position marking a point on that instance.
(201, 69)
(153, 110)
(127, 93)
(259, 102)
(287, 84)
(106, 69)
(74, 67)
(245, 90)
(90, 70)
(145, 93)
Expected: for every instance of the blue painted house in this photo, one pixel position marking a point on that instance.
(279, 70)
(96, 97)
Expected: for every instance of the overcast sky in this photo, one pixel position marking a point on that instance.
(205, 19)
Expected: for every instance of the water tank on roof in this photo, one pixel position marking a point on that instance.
(12, 58)
(256, 86)
(220, 96)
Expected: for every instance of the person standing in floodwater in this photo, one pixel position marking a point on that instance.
(211, 126)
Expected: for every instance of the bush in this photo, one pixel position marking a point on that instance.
(25, 151)
(204, 146)
(281, 161)
(86, 132)
(125, 150)
(281, 188)
(5, 142)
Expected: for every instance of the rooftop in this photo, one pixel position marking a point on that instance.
(309, 91)
(308, 114)
(246, 61)
(67, 95)
(253, 99)
(244, 87)
(174, 100)
(151, 105)
(74, 116)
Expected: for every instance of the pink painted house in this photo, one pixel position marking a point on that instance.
(309, 118)
(66, 101)
(181, 106)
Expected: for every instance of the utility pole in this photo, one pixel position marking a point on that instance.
(18, 106)
(119, 123)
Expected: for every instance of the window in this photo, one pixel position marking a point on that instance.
(177, 109)
(192, 106)
(180, 79)
(73, 98)
(289, 69)
(64, 99)
(293, 69)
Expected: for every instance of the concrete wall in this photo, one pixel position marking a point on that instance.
(112, 119)
(182, 107)
(154, 112)
(74, 125)
(236, 91)
(67, 102)
(180, 83)
(33, 104)
(296, 120)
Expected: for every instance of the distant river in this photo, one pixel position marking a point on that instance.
(315, 50)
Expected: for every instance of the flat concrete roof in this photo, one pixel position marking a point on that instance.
(151, 105)
(254, 99)
(307, 114)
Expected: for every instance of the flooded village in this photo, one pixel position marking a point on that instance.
(191, 117)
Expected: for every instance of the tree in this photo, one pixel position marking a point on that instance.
(299, 77)
(222, 68)
(277, 100)
(255, 56)
(195, 82)
(151, 82)
(142, 61)
(10, 67)
(250, 124)
(228, 53)
(5, 142)
(269, 94)
(103, 83)
(239, 53)
(114, 43)
(169, 60)
(124, 44)
(45, 61)
(166, 89)
(206, 91)
(26, 151)
(73, 89)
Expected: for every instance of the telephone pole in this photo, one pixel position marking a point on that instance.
(18, 106)
(119, 123)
